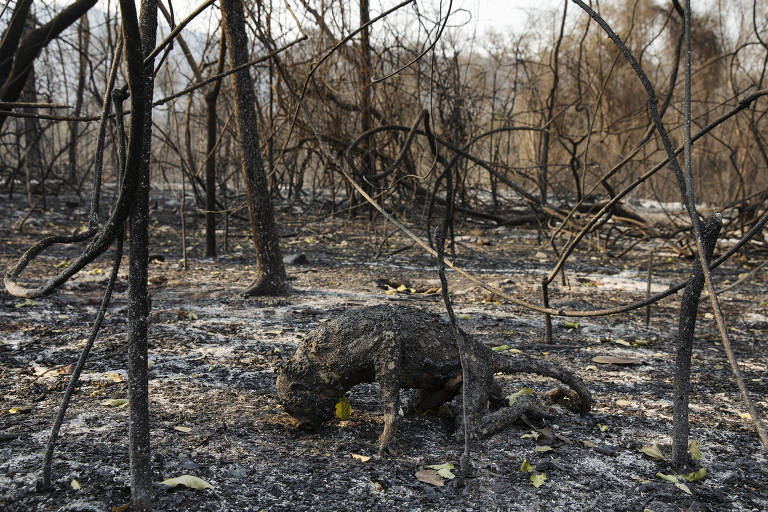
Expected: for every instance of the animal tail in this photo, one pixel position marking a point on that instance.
(521, 364)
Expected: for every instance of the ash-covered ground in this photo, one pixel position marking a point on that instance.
(214, 357)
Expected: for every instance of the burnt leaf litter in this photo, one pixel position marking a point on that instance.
(221, 439)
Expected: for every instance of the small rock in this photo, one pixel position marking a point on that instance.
(606, 450)
(296, 259)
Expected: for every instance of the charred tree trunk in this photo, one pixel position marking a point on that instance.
(270, 273)
(33, 164)
(21, 56)
(83, 38)
(138, 294)
(689, 305)
(210, 163)
(12, 36)
(366, 124)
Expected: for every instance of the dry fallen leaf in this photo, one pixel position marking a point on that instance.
(429, 476)
(623, 403)
(343, 408)
(75, 484)
(182, 429)
(361, 458)
(652, 451)
(117, 402)
(537, 479)
(696, 475)
(511, 399)
(190, 481)
(695, 448)
(444, 470)
(616, 360)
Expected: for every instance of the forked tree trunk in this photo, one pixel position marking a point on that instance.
(20, 54)
(270, 273)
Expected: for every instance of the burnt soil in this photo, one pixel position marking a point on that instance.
(214, 357)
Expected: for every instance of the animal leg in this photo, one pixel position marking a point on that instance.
(387, 368)
(475, 396)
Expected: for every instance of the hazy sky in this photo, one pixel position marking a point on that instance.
(501, 15)
(473, 15)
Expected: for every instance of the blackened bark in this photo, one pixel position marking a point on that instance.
(689, 305)
(138, 295)
(270, 273)
(83, 38)
(33, 164)
(210, 164)
(364, 71)
(31, 46)
(12, 36)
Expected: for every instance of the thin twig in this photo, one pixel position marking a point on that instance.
(461, 345)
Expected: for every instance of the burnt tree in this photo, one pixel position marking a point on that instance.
(270, 272)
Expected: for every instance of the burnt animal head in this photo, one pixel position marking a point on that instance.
(304, 394)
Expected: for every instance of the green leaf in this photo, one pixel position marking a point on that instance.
(696, 475)
(603, 428)
(511, 399)
(571, 324)
(591, 367)
(500, 348)
(464, 316)
(683, 488)
(653, 452)
(191, 315)
(343, 408)
(532, 435)
(668, 478)
(63, 264)
(543, 448)
(75, 484)
(537, 479)
(190, 481)
(695, 448)
(26, 303)
(527, 467)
